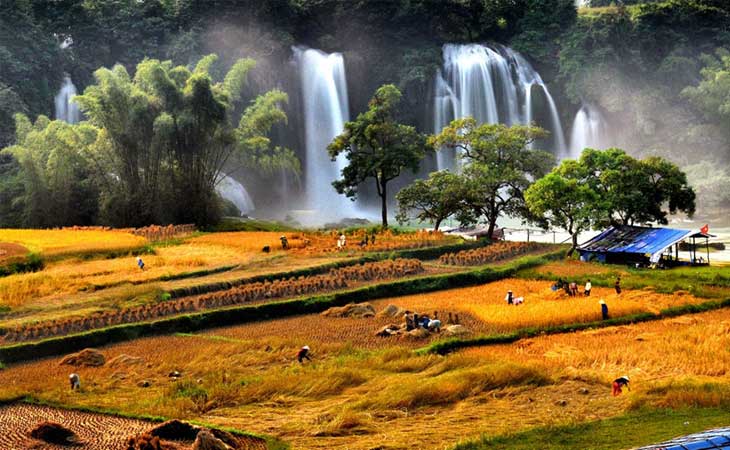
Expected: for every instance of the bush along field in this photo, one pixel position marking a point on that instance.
(220, 350)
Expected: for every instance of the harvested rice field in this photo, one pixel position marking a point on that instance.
(93, 431)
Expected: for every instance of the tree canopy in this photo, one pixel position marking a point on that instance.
(377, 147)
(498, 166)
(434, 199)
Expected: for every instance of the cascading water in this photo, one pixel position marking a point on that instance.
(589, 131)
(66, 109)
(326, 109)
(233, 191)
(493, 85)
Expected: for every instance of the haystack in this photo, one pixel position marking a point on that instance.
(54, 433)
(125, 360)
(205, 440)
(354, 310)
(392, 311)
(175, 430)
(418, 333)
(87, 357)
(456, 330)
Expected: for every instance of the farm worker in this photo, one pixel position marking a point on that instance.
(508, 298)
(409, 320)
(425, 320)
(519, 300)
(587, 290)
(140, 263)
(434, 325)
(284, 242)
(604, 310)
(573, 288)
(619, 383)
(617, 285)
(303, 353)
(372, 239)
(75, 381)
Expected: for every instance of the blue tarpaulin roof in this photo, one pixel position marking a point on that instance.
(712, 439)
(627, 239)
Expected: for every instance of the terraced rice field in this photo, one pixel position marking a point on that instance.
(670, 349)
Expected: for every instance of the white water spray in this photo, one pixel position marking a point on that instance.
(326, 109)
(66, 109)
(589, 131)
(493, 85)
(233, 191)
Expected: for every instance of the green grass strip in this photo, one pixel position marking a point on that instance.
(633, 429)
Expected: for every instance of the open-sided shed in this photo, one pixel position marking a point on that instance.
(645, 245)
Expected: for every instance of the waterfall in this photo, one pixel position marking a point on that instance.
(589, 131)
(491, 84)
(66, 109)
(233, 191)
(326, 109)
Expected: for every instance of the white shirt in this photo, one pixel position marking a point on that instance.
(588, 286)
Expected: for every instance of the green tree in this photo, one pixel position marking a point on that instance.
(565, 201)
(58, 188)
(434, 199)
(637, 191)
(712, 95)
(168, 133)
(498, 166)
(377, 147)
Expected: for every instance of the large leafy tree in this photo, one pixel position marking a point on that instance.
(377, 147)
(565, 201)
(498, 166)
(168, 133)
(637, 191)
(55, 172)
(434, 199)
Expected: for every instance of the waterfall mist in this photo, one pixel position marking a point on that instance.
(236, 193)
(326, 109)
(493, 85)
(589, 131)
(66, 109)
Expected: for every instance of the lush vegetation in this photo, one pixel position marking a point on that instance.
(662, 54)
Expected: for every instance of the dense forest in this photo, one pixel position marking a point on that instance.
(657, 70)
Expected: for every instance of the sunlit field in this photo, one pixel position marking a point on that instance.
(69, 242)
(542, 306)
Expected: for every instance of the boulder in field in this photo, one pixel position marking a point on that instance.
(88, 357)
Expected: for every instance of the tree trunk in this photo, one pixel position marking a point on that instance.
(437, 224)
(492, 225)
(574, 237)
(384, 199)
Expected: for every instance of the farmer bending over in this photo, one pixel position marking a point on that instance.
(303, 353)
(619, 383)
(75, 381)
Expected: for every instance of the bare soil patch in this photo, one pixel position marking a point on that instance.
(9, 250)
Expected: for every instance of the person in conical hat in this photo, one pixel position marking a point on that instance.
(303, 353)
